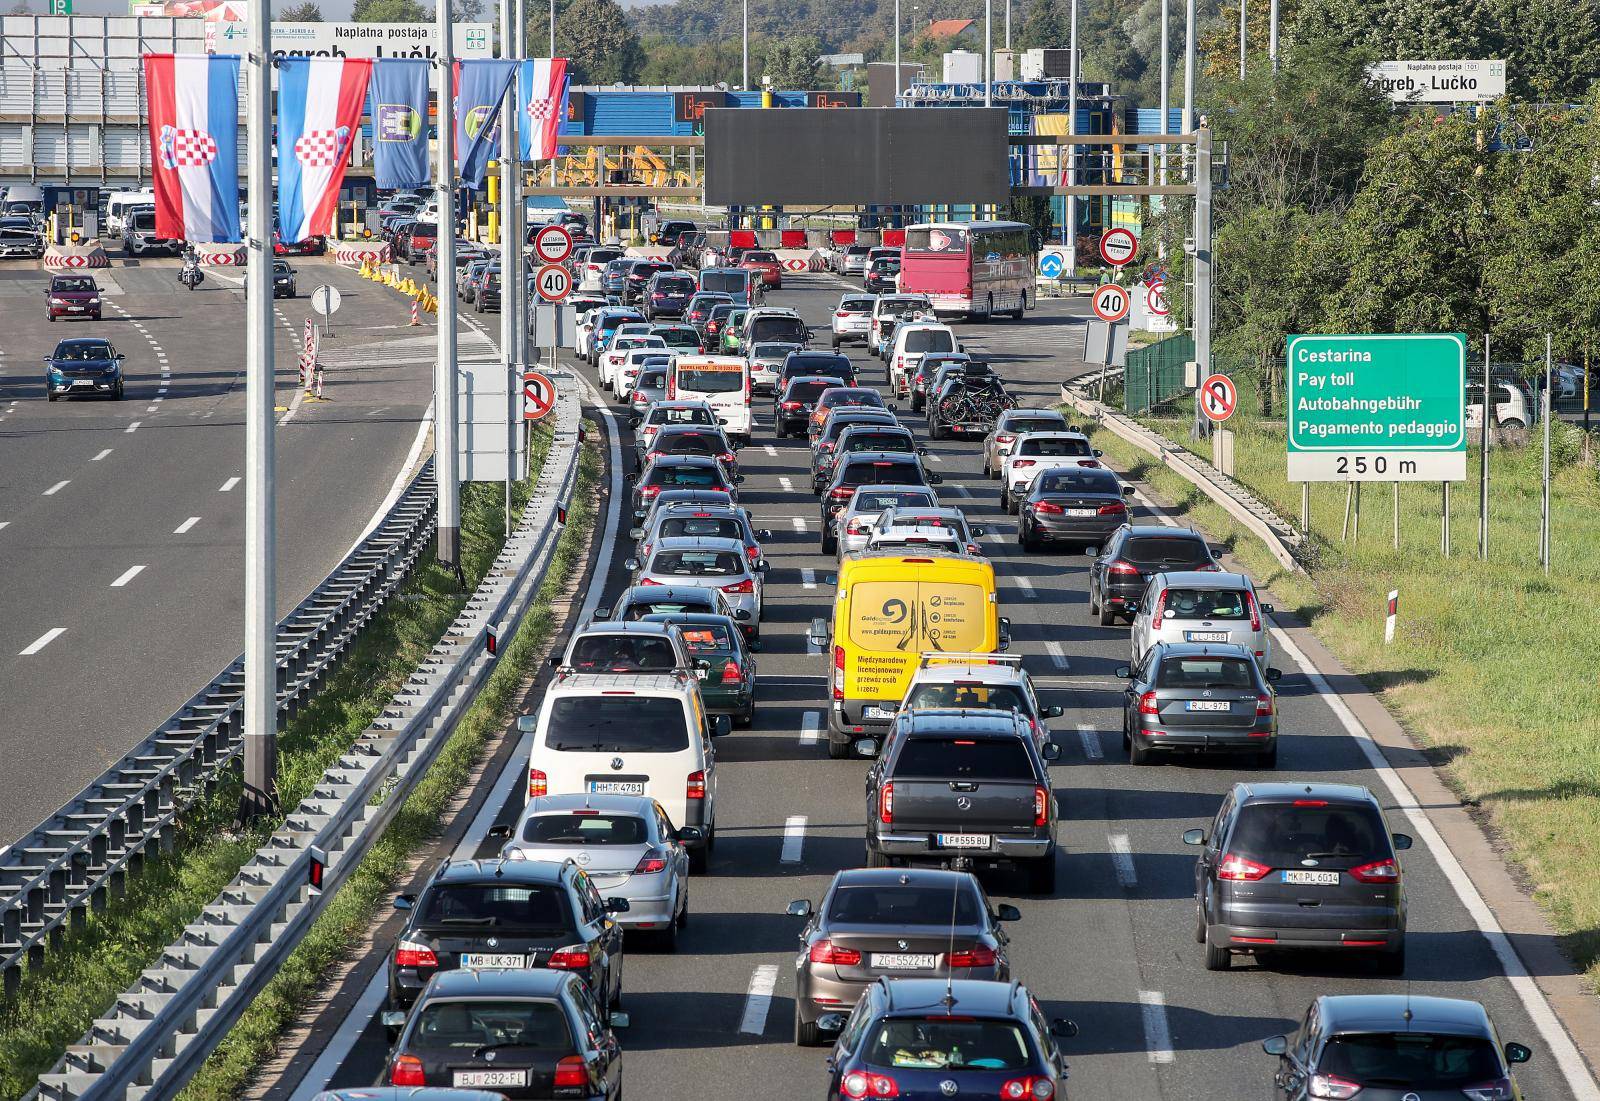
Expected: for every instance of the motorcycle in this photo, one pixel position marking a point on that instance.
(191, 276)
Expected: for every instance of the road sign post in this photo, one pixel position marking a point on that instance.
(326, 300)
(1377, 407)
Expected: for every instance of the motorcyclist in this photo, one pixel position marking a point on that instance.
(190, 276)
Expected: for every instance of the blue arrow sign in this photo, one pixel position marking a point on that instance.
(1050, 265)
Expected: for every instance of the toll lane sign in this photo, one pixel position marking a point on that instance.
(1377, 407)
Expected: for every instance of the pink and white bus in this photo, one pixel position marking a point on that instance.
(977, 269)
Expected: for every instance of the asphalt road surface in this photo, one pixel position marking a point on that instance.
(122, 523)
(1113, 949)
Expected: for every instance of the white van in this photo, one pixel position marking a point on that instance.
(119, 203)
(911, 343)
(630, 734)
(722, 382)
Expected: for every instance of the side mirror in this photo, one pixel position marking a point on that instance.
(617, 1019)
(738, 479)
(831, 1022)
(618, 905)
(1194, 837)
(554, 661)
(721, 726)
(1275, 1045)
(1127, 491)
(1518, 1053)
(1050, 751)
(800, 908)
(741, 615)
(764, 534)
(631, 476)
(393, 1018)
(405, 902)
(1124, 672)
(1132, 607)
(1096, 452)
(1274, 675)
(1268, 608)
(500, 832)
(690, 834)
(866, 747)
(630, 564)
(1004, 642)
(935, 479)
(979, 532)
(1063, 1029)
(121, 357)
(635, 533)
(763, 566)
(1054, 711)
(635, 421)
(1091, 552)
(1007, 912)
(817, 635)
(1402, 841)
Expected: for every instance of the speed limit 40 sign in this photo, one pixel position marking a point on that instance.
(1111, 302)
(554, 283)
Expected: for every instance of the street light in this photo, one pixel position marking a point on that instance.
(744, 84)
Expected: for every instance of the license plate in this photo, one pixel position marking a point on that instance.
(617, 787)
(1311, 879)
(1080, 512)
(701, 673)
(963, 840)
(490, 1078)
(75, 309)
(493, 961)
(903, 961)
(876, 713)
(1208, 705)
(1205, 636)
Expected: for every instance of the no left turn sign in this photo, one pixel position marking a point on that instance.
(538, 396)
(554, 282)
(552, 244)
(1155, 300)
(1118, 247)
(1111, 302)
(1219, 397)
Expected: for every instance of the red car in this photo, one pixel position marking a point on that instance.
(767, 264)
(311, 246)
(73, 296)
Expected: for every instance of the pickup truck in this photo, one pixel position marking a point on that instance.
(963, 789)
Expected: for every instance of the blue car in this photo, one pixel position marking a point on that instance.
(921, 1040)
(611, 319)
(84, 365)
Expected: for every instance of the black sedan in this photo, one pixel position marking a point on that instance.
(792, 405)
(1199, 698)
(1071, 505)
(1128, 559)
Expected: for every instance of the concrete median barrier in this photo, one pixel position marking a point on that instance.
(72, 257)
(356, 253)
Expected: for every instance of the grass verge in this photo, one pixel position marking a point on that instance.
(1493, 664)
(56, 1003)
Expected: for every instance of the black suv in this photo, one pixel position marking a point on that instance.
(486, 915)
(1291, 867)
(519, 1034)
(860, 468)
(1134, 554)
(1389, 1047)
(1199, 697)
(963, 788)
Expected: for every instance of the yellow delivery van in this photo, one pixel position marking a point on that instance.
(889, 610)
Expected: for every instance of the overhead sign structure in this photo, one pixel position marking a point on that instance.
(538, 396)
(552, 244)
(1377, 407)
(1439, 81)
(1219, 397)
(1155, 300)
(1118, 247)
(554, 283)
(1111, 302)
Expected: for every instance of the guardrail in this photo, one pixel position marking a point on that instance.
(162, 1029)
(73, 861)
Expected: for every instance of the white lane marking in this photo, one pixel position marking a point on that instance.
(961, 491)
(133, 572)
(936, 457)
(57, 488)
(1122, 859)
(788, 486)
(1562, 1049)
(42, 641)
(134, 425)
(794, 836)
(227, 485)
(151, 408)
(808, 579)
(294, 407)
(1057, 654)
(1091, 742)
(810, 727)
(758, 999)
(772, 452)
(186, 525)
(1027, 587)
(1157, 1036)
(799, 523)
(100, 456)
(1160, 513)
(5, 523)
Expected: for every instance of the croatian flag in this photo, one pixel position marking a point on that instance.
(319, 108)
(193, 102)
(543, 96)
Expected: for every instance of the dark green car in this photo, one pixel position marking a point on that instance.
(721, 659)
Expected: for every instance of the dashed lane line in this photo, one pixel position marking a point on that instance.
(42, 641)
(57, 488)
(1157, 1034)
(1122, 859)
(799, 523)
(758, 999)
(228, 485)
(133, 427)
(808, 579)
(186, 525)
(794, 836)
(1090, 737)
(100, 456)
(1057, 654)
(127, 576)
(810, 727)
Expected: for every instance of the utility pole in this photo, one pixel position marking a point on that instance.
(988, 54)
(553, 32)
(745, 84)
(1544, 489)
(512, 283)
(1243, 10)
(896, 53)
(1008, 36)
(1272, 35)
(1202, 261)
(260, 796)
(1188, 67)
(1166, 83)
(1483, 457)
(444, 374)
(1072, 150)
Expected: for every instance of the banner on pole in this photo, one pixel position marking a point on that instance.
(399, 122)
(319, 109)
(543, 100)
(194, 145)
(480, 91)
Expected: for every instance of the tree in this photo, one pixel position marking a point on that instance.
(595, 38)
(305, 12)
(791, 62)
(1551, 48)
(390, 11)
(466, 11)
(1045, 26)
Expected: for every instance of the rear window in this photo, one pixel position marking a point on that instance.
(697, 476)
(680, 338)
(947, 1043)
(836, 366)
(853, 397)
(706, 638)
(888, 307)
(806, 391)
(868, 500)
(711, 378)
(763, 257)
(859, 441)
(929, 340)
(622, 654)
(1087, 481)
(728, 281)
(1173, 551)
(669, 414)
(587, 828)
(1281, 835)
(697, 563)
(521, 906)
(470, 1025)
(687, 443)
(668, 605)
(712, 527)
(617, 724)
(424, 229)
(1033, 424)
(1205, 672)
(652, 378)
(1206, 604)
(883, 472)
(965, 759)
(903, 904)
(940, 239)
(678, 284)
(989, 697)
(1415, 1060)
(1054, 447)
(856, 305)
(790, 329)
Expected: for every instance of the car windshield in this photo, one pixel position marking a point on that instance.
(669, 414)
(697, 563)
(706, 639)
(947, 1044)
(929, 340)
(711, 527)
(1206, 604)
(585, 827)
(990, 697)
(81, 353)
(685, 476)
(904, 904)
(882, 471)
(522, 906)
(711, 378)
(1410, 1060)
(81, 284)
(687, 443)
(868, 500)
(1175, 552)
(622, 654)
(623, 723)
(1054, 447)
(480, 1023)
(1282, 835)
(952, 758)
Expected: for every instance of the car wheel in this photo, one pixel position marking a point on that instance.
(876, 859)
(1268, 758)
(746, 718)
(667, 939)
(1094, 608)
(830, 545)
(1127, 741)
(1042, 876)
(839, 751)
(806, 1033)
(1393, 963)
(116, 395)
(835, 343)
(1137, 754)
(1199, 925)
(50, 396)
(1217, 959)
(1107, 615)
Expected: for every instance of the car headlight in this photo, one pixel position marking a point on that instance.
(58, 302)
(55, 372)
(111, 369)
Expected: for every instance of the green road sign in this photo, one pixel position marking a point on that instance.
(1377, 408)
(60, 7)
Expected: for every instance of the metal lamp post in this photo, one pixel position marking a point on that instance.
(444, 374)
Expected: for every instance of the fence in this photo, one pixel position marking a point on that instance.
(1155, 374)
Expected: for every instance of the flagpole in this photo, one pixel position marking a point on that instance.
(444, 374)
(512, 282)
(259, 797)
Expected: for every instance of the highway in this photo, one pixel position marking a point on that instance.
(122, 523)
(1113, 949)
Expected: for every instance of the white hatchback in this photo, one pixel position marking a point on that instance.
(1038, 451)
(1203, 607)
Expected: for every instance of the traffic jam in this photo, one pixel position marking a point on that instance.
(857, 541)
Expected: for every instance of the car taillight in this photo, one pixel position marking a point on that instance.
(825, 951)
(653, 860)
(574, 957)
(1498, 1090)
(1242, 869)
(411, 954)
(825, 447)
(1332, 1086)
(745, 586)
(1159, 611)
(840, 313)
(538, 783)
(726, 456)
(856, 526)
(1089, 462)
(696, 789)
(407, 1071)
(1115, 508)
(1123, 569)
(753, 554)
(858, 1084)
(1263, 704)
(649, 581)
(1255, 611)
(1148, 704)
(1004, 438)
(1209, 567)
(647, 492)
(1046, 508)
(1379, 871)
(886, 803)
(791, 405)
(1019, 463)
(842, 493)
(1034, 1087)
(838, 672)
(731, 674)
(571, 1071)
(1041, 804)
(979, 956)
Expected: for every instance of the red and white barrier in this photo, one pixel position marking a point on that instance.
(799, 259)
(74, 257)
(222, 256)
(354, 253)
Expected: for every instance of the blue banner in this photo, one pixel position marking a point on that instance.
(400, 122)
(481, 87)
